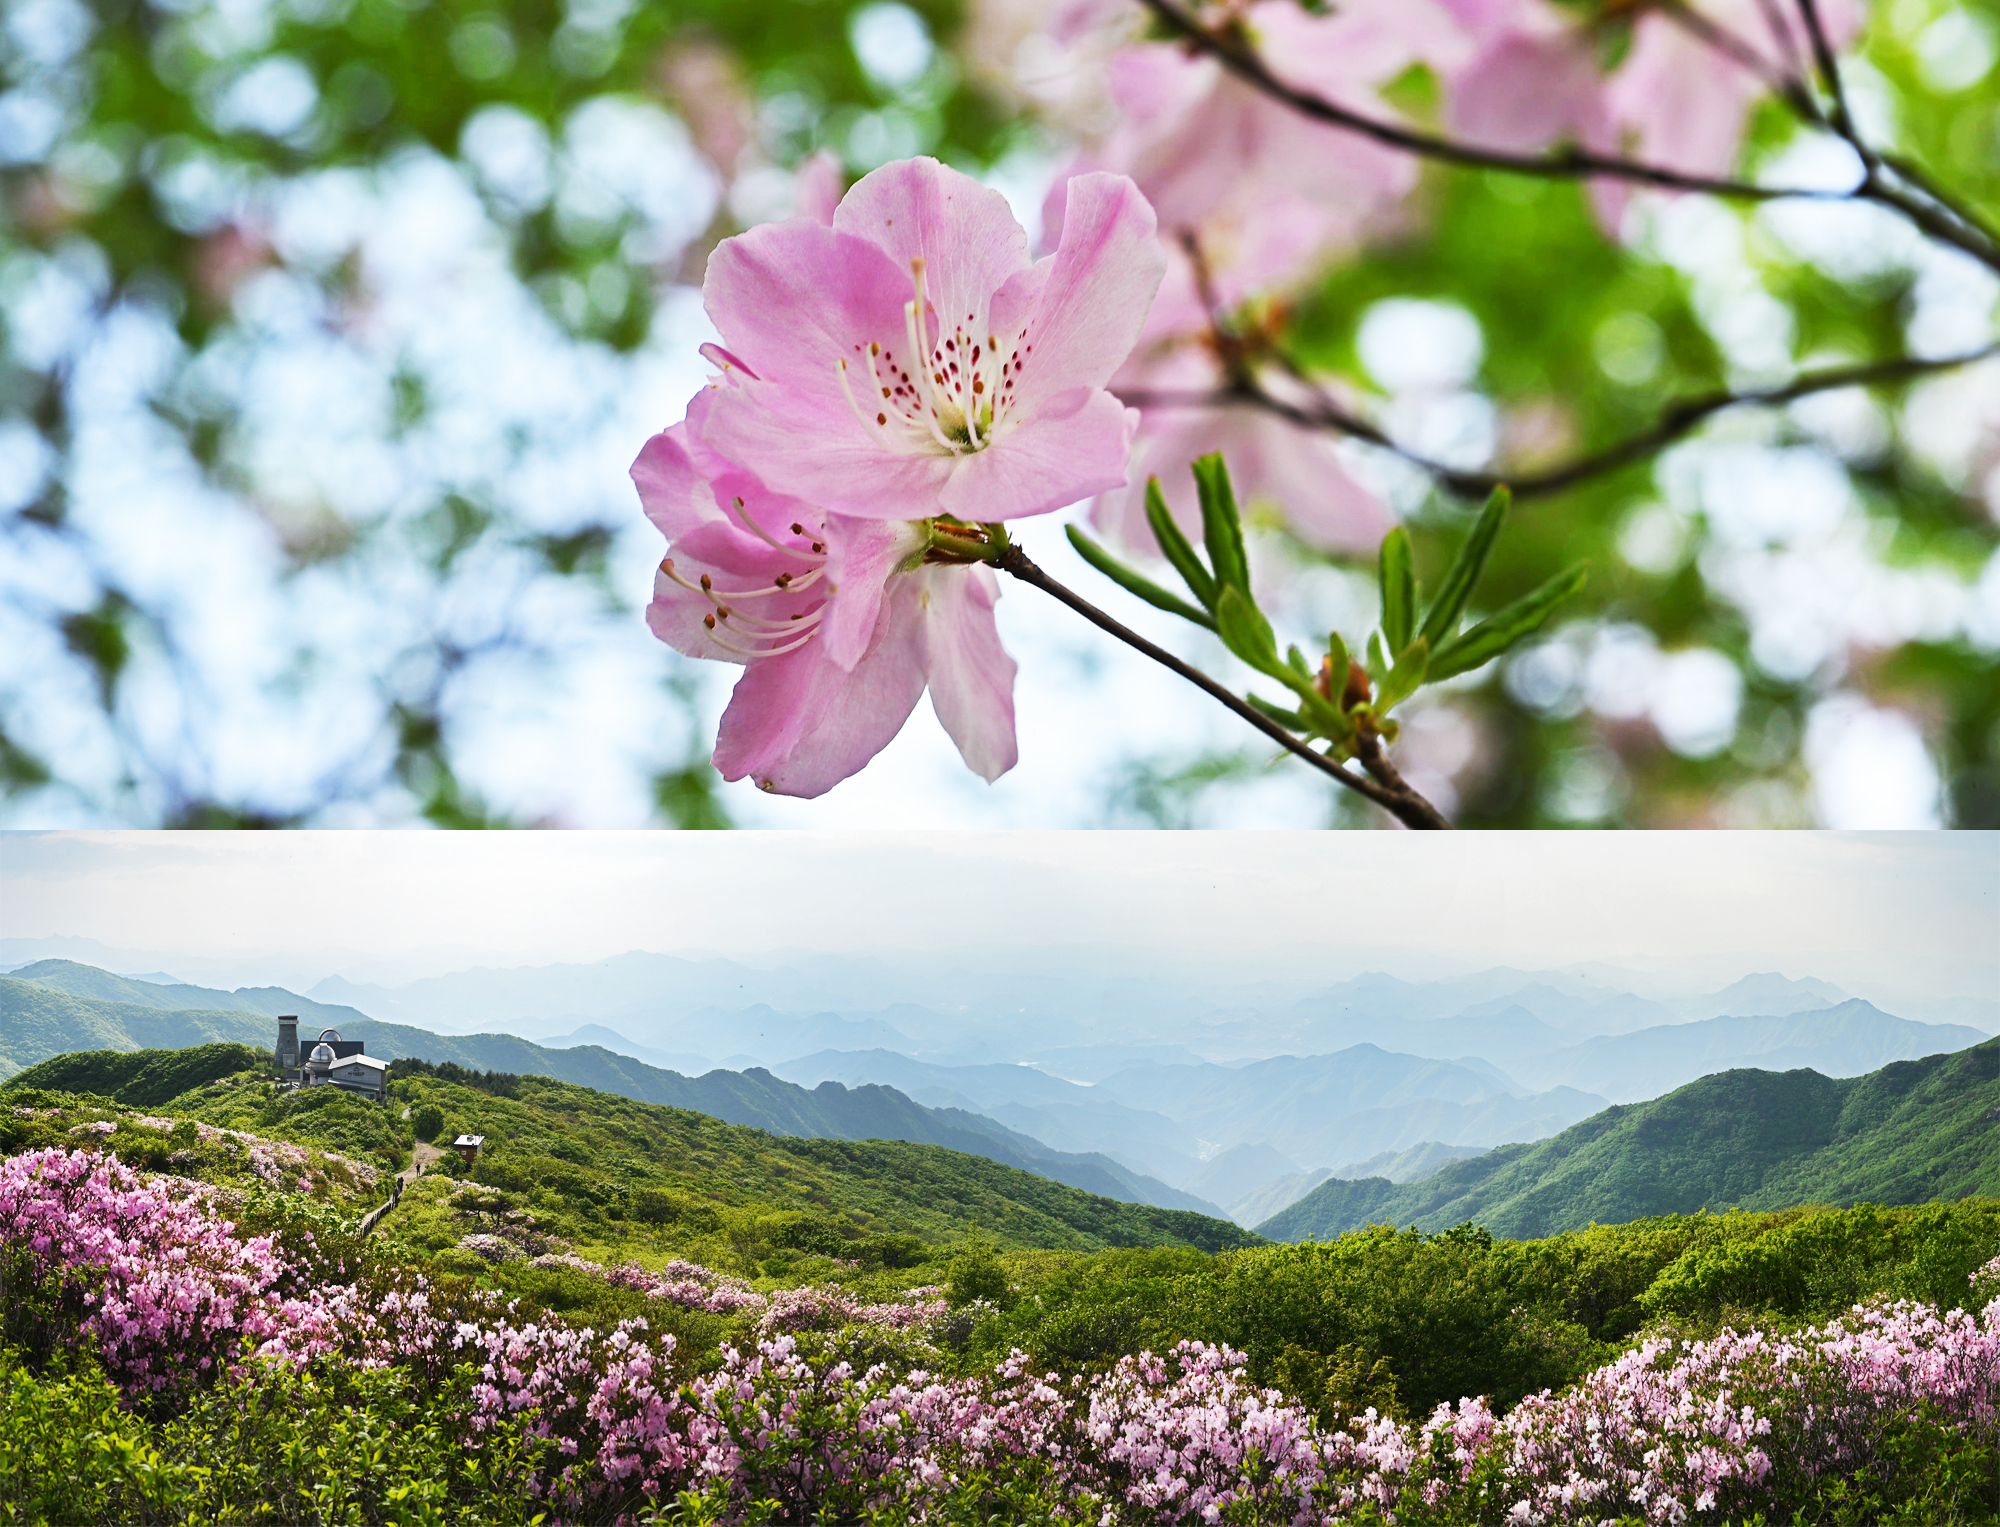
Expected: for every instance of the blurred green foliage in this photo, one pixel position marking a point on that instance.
(175, 123)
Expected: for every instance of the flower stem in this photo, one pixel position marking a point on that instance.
(1386, 789)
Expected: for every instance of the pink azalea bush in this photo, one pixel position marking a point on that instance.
(156, 1278)
(683, 1283)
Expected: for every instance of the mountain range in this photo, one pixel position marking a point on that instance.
(1915, 1130)
(1139, 1089)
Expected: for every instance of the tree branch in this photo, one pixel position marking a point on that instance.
(1392, 793)
(1569, 163)
(1940, 221)
(1678, 420)
(1941, 216)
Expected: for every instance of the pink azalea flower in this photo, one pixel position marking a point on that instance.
(909, 361)
(1297, 471)
(1674, 100)
(819, 185)
(1204, 146)
(837, 621)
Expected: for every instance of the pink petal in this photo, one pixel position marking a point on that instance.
(1043, 464)
(673, 494)
(1682, 104)
(861, 556)
(1526, 90)
(793, 300)
(971, 676)
(682, 503)
(1361, 43)
(818, 187)
(807, 459)
(964, 233)
(800, 724)
(1093, 298)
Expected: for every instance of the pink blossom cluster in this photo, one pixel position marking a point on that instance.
(828, 1308)
(1672, 1428)
(683, 1283)
(1264, 197)
(809, 1308)
(154, 1274)
(157, 1276)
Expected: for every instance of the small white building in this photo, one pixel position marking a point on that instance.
(337, 1062)
(360, 1073)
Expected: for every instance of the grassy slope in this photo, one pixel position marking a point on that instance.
(1914, 1130)
(590, 1155)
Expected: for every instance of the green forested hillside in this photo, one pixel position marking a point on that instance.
(142, 1078)
(597, 1168)
(79, 980)
(1914, 1131)
(37, 1022)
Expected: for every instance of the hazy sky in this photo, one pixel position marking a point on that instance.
(1927, 899)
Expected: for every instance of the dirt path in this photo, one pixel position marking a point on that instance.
(422, 1155)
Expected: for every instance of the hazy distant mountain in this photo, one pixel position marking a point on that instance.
(1411, 1165)
(1090, 1064)
(1347, 1105)
(610, 1039)
(1845, 1040)
(1230, 1176)
(1279, 1193)
(1760, 996)
(1061, 1114)
(1495, 1036)
(1910, 1132)
(1570, 1016)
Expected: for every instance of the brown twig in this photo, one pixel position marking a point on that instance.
(1392, 793)
(1245, 391)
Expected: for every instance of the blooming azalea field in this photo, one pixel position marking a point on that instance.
(148, 1306)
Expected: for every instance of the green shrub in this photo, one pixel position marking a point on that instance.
(976, 1273)
(277, 1444)
(427, 1121)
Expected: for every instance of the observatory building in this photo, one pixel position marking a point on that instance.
(332, 1062)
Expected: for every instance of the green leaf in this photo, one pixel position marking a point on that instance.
(1135, 583)
(1175, 547)
(1377, 664)
(1299, 664)
(1499, 631)
(1246, 632)
(1221, 526)
(1337, 650)
(1442, 617)
(1404, 678)
(1279, 714)
(1397, 569)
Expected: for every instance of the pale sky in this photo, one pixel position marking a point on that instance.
(1924, 901)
